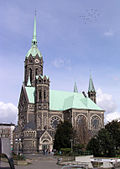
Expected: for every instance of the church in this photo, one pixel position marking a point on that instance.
(41, 109)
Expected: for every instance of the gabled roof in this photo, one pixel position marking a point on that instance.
(31, 94)
(61, 100)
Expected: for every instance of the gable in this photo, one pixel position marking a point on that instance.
(31, 94)
(23, 97)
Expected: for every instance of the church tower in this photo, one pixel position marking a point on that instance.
(42, 101)
(91, 90)
(33, 61)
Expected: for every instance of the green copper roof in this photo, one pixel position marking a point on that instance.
(31, 94)
(61, 100)
(75, 88)
(41, 76)
(91, 85)
(34, 50)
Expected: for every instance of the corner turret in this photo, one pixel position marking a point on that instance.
(91, 90)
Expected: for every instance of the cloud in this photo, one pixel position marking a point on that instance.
(58, 62)
(112, 116)
(106, 102)
(8, 113)
(109, 33)
(62, 62)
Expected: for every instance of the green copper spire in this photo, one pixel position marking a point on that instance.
(75, 88)
(34, 40)
(34, 49)
(29, 82)
(91, 85)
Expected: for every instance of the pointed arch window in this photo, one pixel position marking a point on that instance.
(44, 94)
(36, 71)
(40, 95)
(30, 75)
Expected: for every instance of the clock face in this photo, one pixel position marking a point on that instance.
(36, 60)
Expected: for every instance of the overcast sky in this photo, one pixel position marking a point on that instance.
(75, 37)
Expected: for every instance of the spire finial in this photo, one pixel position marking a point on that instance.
(34, 40)
(35, 11)
(75, 88)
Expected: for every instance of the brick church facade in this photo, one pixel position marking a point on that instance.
(40, 109)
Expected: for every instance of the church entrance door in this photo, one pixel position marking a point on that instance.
(45, 148)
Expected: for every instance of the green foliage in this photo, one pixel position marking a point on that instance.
(65, 151)
(18, 157)
(114, 129)
(63, 135)
(107, 141)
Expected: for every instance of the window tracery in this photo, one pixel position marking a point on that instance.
(55, 121)
(81, 120)
(95, 122)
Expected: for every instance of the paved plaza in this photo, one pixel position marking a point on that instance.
(38, 162)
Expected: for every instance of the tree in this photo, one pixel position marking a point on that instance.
(114, 129)
(63, 135)
(102, 144)
(82, 134)
(107, 141)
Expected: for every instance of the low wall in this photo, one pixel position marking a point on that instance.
(84, 159)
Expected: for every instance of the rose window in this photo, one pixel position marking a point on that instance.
(55, 121)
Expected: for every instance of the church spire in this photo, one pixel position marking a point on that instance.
(91, 90)
(34, 40)
(75, 88)
(91, 85)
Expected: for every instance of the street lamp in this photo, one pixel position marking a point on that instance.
(18, 141)
(71, 141)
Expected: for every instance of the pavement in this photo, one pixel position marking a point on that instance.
(38, 162)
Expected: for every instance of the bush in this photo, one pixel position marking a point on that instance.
(18, 157)
(65, 151)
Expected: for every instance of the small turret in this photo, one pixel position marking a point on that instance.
(91, 90)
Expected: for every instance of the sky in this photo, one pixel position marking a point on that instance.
(76, 38)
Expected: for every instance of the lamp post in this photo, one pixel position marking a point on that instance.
(71, 141)
(18, 141)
